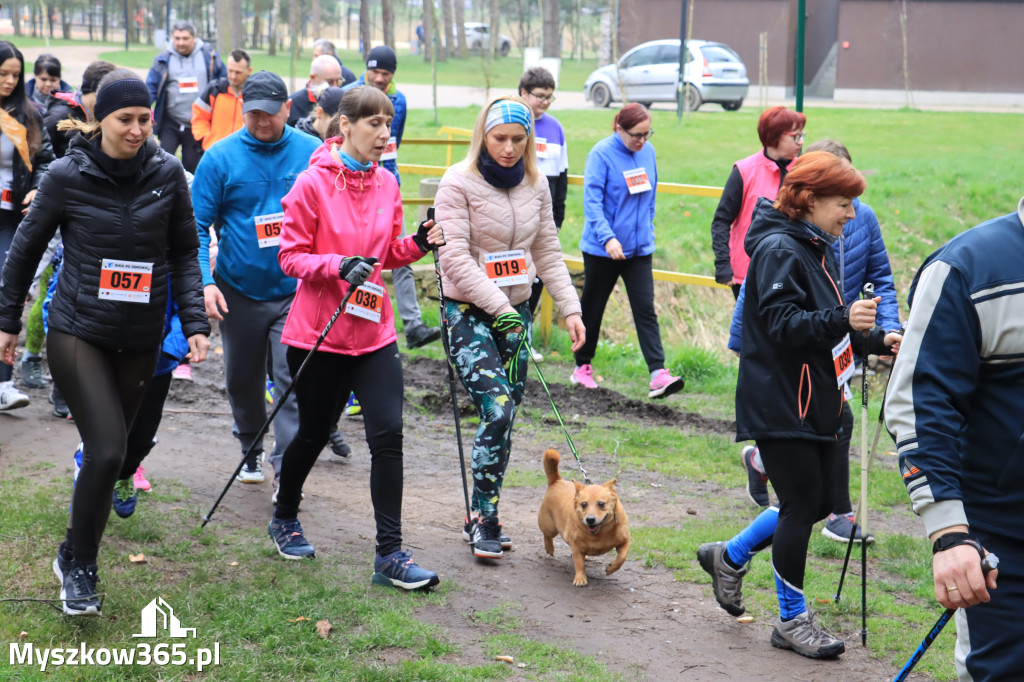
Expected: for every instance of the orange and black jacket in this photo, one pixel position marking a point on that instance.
(216, 113)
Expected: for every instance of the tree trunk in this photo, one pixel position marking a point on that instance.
(272, 27)
(16, 18)
(428, 29)
(49, 18)
(449, 39)
(65, 20)
(460, 30)
(256, 31)
(364, 28)
(293, 31)
(223, 9)
(551, 43)
(317, 20)
(237, 32)
(387, 14)
(495, 25)
(106, 22)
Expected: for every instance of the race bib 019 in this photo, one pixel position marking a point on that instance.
(507, 268)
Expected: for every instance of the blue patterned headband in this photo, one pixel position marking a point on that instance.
(507, 111)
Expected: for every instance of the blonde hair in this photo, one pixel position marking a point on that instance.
(476, 145)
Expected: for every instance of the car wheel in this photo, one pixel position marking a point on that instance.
(505, 48)
(732, 106)
(693, 100)
(600, 95)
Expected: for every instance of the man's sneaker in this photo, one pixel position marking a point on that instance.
(352, 407)
(470, 526)
(757, 483)
(399, 570)
(10, 397)
(269, 394)
(487, 538)
(289, 539)
(77, 587)
(60, 408)
(32, 372)
(537, 357)
(183, 372)
(338, 445)
(664, 384)
(125, 497)
(584, 376)
(139, 477)
(421, 335)
(252, 470)
(838, 528)
(803, 636)
(726, 581)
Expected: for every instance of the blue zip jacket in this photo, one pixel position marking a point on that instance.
(397, 124)
(609, 209)
(237, 180)
(862, 258)
(156, 79)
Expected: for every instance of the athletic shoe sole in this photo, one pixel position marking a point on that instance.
(90, 611)
(485, 554)
(250, 478)
(839, 538)
(779, 642)
(506, 541)
(668, 389)
(383, 580)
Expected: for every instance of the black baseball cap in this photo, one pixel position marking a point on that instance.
(330, 100)
(263, 91)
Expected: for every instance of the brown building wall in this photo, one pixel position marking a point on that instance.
(954, 46)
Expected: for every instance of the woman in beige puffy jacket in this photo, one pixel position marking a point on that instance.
(495, 208)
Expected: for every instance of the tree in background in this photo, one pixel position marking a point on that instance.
(551, 29)
(387, 14)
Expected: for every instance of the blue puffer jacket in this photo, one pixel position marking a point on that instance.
(862, 257)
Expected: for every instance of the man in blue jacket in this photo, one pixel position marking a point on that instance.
(954, 408)
(380, 73)
(175, 80)
(238, 188)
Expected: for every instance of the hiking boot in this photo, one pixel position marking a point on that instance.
(470, 526)
(757, 483)
(252, 470)
(726, 581)
(487, 538)
(77, 586)
(352, 407)
(289, 539)
(421, 335)
(399, 570)
(139, 478)
(125, 497)
(584, 376)
(183, 372)
(838, 528)
(803, 636)
(10, 397)
(60, 408)
(664, 384)
(32, 372)
(338, 445)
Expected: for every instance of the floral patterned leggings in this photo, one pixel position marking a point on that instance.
(483, 359)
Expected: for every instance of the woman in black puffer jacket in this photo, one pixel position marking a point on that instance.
(125, 213)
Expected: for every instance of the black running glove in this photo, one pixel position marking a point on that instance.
(356, 269)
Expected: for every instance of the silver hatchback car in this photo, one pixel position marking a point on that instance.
(650, 73)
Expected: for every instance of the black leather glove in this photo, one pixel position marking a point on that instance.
(421, 237)
(356, 270)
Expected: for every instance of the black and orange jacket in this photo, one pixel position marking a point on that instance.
(216, 113)
(793, 317)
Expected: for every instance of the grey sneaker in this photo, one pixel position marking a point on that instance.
(803, 636)
(421, 335)
(757, 483)
(32, 372)
(726, 581)
(838, 528)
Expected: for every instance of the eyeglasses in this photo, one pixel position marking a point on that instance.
(542, 98)
(333, 82)
(798, 137)
(641, 136)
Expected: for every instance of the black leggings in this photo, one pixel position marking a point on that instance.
(104, 389)
(600, 276)
(147, 421)
(803, 473)
(323, 388)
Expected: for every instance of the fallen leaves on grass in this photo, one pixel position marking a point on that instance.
(507, 659)
(745, 619)
(297, 620)
(323, 627)
(139, 558)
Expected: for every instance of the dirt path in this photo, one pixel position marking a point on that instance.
(640, 622)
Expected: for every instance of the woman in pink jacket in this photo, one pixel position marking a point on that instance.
(343, 216)
(495, 207)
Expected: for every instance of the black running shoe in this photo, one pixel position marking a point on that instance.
(338, 445)
(487, 538)
(470, 525)
(77, 587)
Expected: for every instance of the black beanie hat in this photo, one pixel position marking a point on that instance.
(120, 94)
(382, 57)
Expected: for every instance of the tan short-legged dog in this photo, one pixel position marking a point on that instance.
(589, 518)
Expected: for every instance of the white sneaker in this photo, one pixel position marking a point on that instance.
(537, 357)
(252, 471)
(10, 397)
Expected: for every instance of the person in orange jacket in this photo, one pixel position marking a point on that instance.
(218, 111)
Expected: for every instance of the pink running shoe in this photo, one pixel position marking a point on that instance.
(183, 371)
(140, 480)
(664, 384)
(584, 375)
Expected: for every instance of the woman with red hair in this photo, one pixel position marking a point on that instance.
(759, 175)
(619, 183)
(798, 344)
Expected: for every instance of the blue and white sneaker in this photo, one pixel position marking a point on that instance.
(269, 394)
(125, 497)
(289, 539)
(77, 586)
(78, 462)
(399, 570)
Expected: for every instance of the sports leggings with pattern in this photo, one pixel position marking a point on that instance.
(104, 389)
(482, 360)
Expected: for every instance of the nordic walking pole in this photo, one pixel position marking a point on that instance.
(280, 401)
(451, 371)
(861, 518)
(990, 562)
